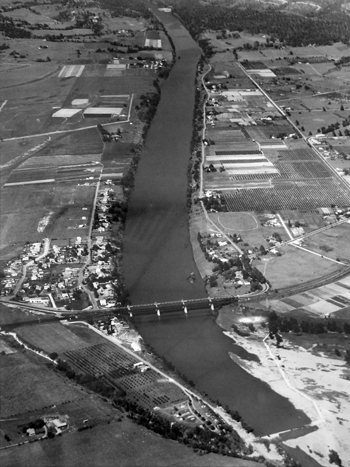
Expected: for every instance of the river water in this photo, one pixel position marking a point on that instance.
(158, 257)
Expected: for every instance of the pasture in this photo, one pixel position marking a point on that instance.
(26, 384)
(317, 118)
(25, 14)
(51, 337)
(59, 52)
(302, 266)
(333, 243)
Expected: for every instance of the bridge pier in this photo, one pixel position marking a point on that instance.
(157, 309)
(184, 307)
(129, 310)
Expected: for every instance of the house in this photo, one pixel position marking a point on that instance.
(59, 424)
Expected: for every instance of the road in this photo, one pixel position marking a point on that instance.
(30, 263)
(235, 246)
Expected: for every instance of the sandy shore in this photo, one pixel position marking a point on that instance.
(315, 384)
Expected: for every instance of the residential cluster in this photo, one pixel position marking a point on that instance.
(101, 275)
(47, 275)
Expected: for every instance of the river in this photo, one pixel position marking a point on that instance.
(158, 257)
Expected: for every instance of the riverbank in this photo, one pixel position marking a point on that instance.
(315, 384)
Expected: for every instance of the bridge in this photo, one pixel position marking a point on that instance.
(156, 308)
(132, 311)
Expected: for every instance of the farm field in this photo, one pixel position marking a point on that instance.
(110, 361)
(301, 266)
(331, 299)
(26, 384)
(52, 337)
(305, 196)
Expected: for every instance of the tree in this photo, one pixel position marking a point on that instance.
(342, 107)
(347, 357)
(273, 322)
(334, 458)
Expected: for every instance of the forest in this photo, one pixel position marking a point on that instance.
(321, 28)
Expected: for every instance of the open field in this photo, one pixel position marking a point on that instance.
(86, 334)
(117, 156)
(31, 17)
(15, 152)
(21, 73)
(58, 52)
(23, 206)
(35, 98)
(52, 337)
(295, 266)
(80, 143)
(9, 315)
(333, 243)
(26, 385)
